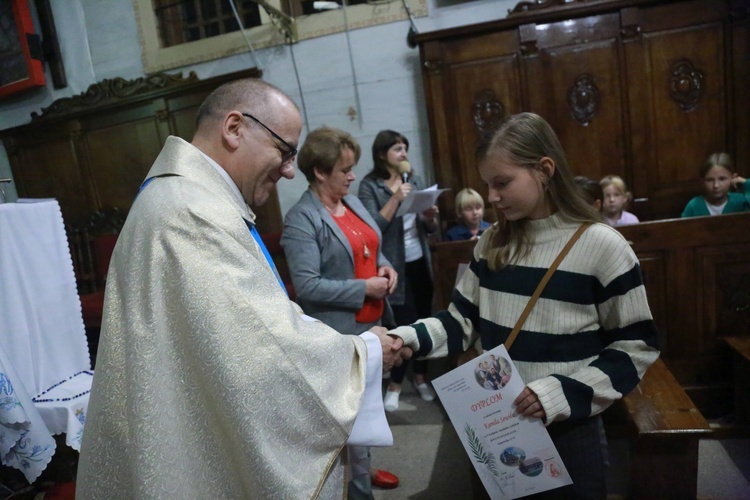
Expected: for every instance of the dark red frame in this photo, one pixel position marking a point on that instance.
(34, 67)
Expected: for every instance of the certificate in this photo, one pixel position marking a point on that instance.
(513, 455)
(419, 201)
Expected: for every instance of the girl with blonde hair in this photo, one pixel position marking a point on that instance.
(616, 197)
(590, 337)
(470, 213)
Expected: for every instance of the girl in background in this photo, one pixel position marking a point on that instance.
(470, 213)
(718, 178)
(616, 196)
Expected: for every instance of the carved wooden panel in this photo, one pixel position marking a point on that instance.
(475, 95)
(486, 87)
(113, 91)
(687, 86)
(677, 81)
(575, 84)
(584, 99)
(697, 275)
(641, 88)
(487, 112)
(93, 151)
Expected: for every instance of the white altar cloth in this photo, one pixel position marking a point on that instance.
(41, 327)
(63, 408)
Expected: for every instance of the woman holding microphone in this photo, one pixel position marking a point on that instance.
(405, 245)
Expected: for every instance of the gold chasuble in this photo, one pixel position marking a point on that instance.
(208, 382)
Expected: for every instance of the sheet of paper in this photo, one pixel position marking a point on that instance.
(513, 455)
(419, 201)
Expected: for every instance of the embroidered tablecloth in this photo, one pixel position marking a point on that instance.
(25, 441)
(42, 335)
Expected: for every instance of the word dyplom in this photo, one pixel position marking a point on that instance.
(484, 403)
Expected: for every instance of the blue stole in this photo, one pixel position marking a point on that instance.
(263, 248)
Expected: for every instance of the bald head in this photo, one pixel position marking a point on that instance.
(250, 95)
(250, 129)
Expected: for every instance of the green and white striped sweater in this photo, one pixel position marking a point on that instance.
(588, 340)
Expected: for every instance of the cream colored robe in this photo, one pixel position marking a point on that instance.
(208, 383)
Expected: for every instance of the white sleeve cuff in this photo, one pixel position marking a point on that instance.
(371, 427)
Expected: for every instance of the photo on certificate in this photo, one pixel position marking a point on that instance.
(513, 455)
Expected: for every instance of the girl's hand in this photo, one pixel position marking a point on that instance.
(737, 182)
(528, 404)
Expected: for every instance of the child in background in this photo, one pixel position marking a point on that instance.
(718, 178)
(592, 191)
(616, 196)
(470, 211)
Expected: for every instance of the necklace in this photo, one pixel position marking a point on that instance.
(346, 220)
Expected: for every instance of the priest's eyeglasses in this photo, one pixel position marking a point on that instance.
(291, 151)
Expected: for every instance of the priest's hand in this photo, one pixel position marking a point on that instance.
(392, 348)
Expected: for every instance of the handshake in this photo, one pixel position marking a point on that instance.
(394, 350)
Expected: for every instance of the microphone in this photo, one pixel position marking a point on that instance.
(404, 168)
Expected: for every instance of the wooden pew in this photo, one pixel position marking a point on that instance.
(665, 428)
(660, 421)
(697, 276)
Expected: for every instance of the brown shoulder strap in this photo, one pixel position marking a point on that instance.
(542, 284)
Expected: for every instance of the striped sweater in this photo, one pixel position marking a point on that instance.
(588, 340)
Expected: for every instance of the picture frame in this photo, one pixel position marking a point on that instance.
(21, 65)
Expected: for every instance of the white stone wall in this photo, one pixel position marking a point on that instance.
(379, 77)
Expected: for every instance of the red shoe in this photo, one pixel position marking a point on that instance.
(384, 479)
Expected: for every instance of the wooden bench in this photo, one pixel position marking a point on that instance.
(664, 429)
(740, 347)
(659, 420)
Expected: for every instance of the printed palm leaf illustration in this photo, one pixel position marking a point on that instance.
(480, 455)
